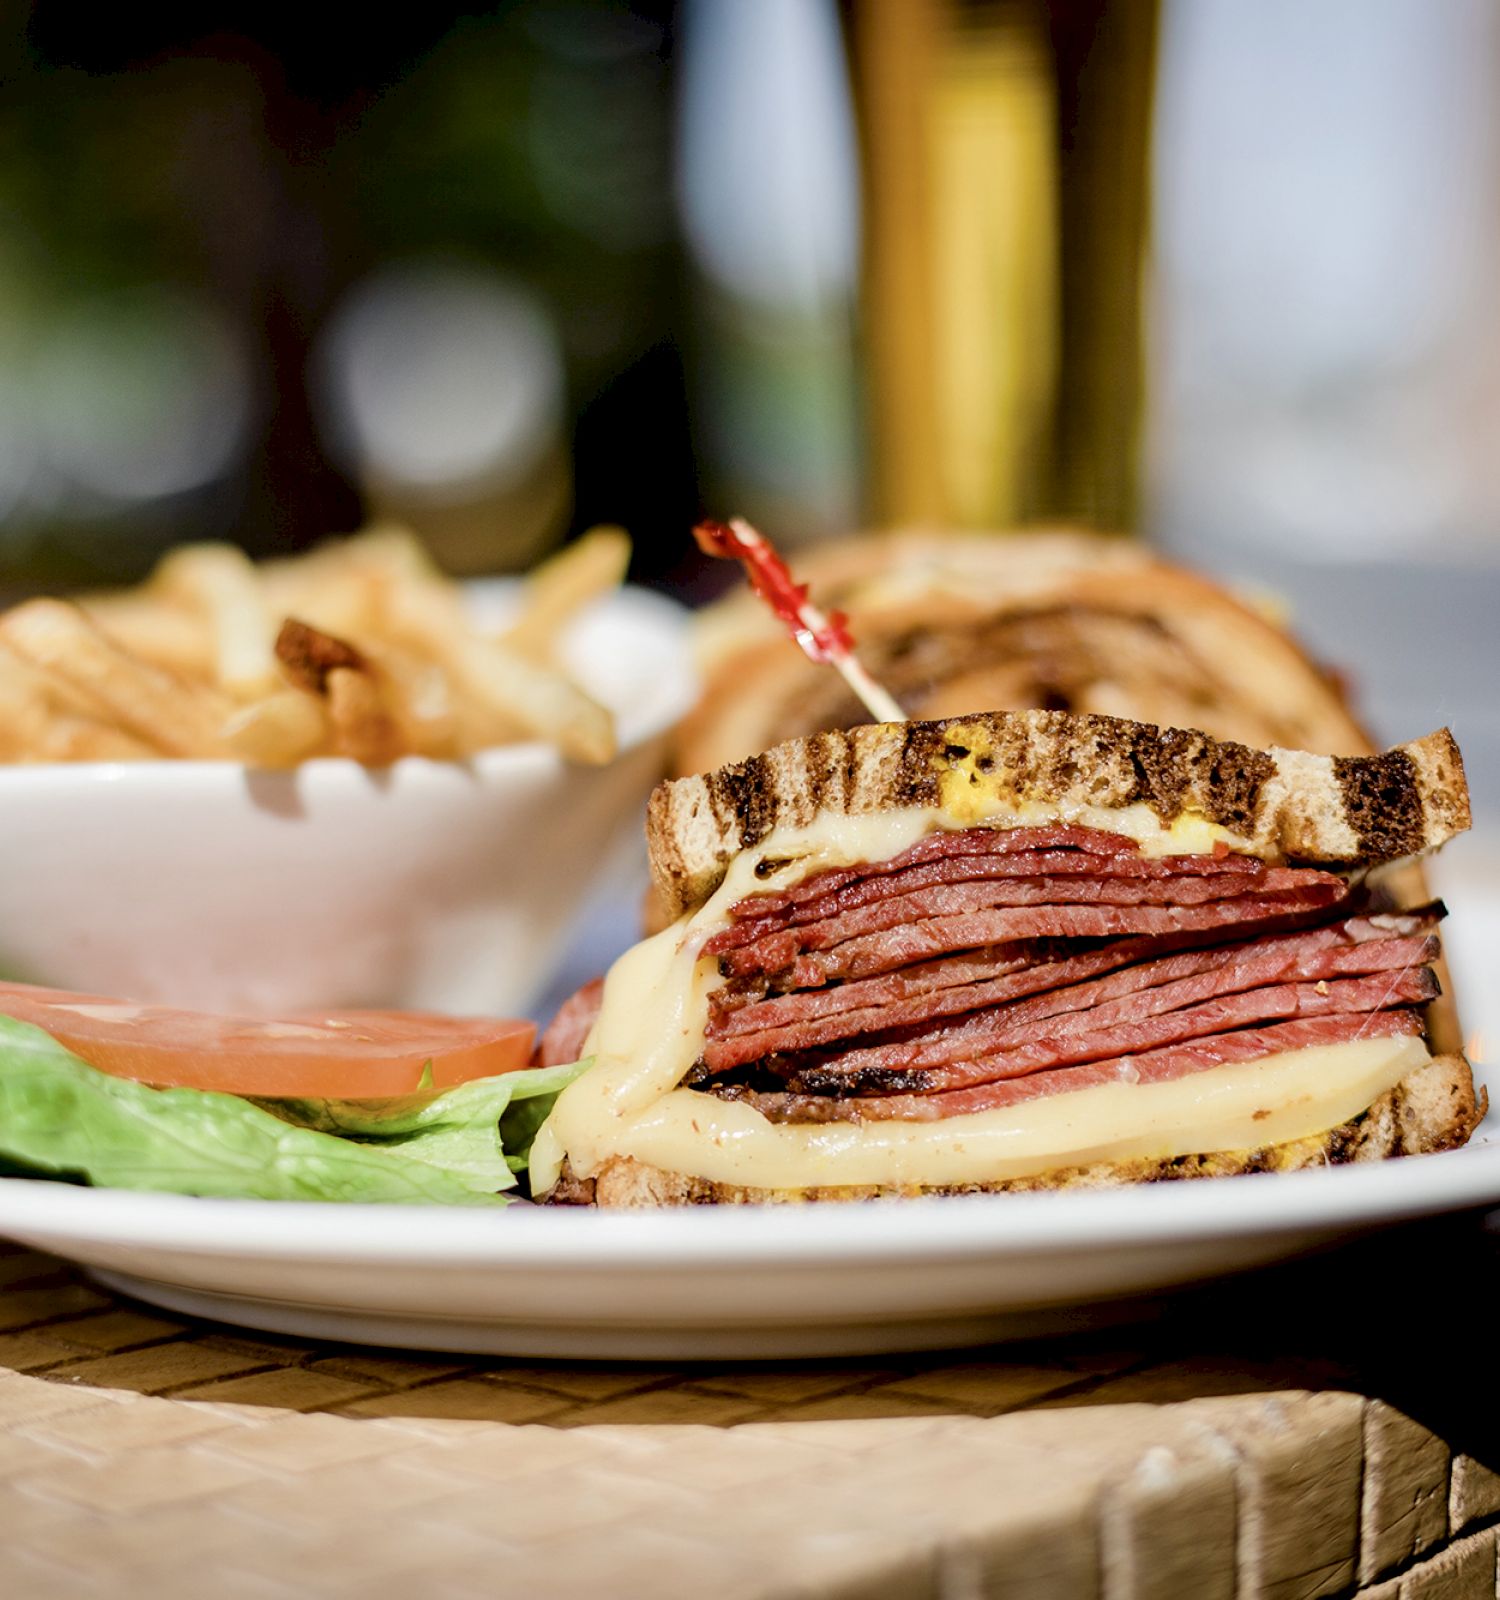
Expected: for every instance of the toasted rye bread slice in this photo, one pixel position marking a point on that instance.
(1433, 1108)
(1280, 804)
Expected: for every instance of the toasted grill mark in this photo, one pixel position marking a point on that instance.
(746, 794)
(1053, 649)
(1128, 763)
(1343, 1141)
(1382, 803)
(851, 771)
(819, 777)
(917, 769)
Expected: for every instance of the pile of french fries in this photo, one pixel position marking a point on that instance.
(360, 648)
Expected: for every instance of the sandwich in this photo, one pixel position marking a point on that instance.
(954, 624)
(1021, 950)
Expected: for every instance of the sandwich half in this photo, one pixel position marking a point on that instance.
(956, 623)
(1021, 950)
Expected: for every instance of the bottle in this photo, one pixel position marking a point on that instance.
(1005, 150)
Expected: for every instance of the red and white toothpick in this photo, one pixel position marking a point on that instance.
(824, 636)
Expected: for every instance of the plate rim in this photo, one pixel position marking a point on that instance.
(929, 1229)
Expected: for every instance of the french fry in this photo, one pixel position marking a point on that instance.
(394, 552)
(26, 708)
(70, 738)
(337, 597)
(308, 654)
(378, 657)
(220, 581)
(341, 587)
(278, 731)
(501, 695)
(175, 717)
(358, 713)
(540, 699)
(422, 702)
(563, 585)
(156, 631)
(45, 719)
(363, 727)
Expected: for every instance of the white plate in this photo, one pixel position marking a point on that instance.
(706, 1283)
(782, 1281)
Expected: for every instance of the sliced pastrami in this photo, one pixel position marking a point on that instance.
(565, 1035)
(769, 912)
(1156, 1066)
(806, 1028)
(982, 894)
(746, 1006)
(1127, 1025)
(869, 954)
(938, 847)
(996, 1008)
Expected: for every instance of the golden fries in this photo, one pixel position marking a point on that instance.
(173, 716)
(26, 708)
(171, 637)
(83, 739)
(351, 688)
(561, 587)
(422, 702)
(361, 648)
(45, 719)
(278, 731)
(546, 704)
(219, 581)
(363, 727)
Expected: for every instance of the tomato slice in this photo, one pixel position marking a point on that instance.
(333, 1055)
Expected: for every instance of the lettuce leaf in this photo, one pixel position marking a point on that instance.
(471, 1131)
(61, 1117)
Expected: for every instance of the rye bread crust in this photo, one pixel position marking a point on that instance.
(1436, 1107)
(1346, 810)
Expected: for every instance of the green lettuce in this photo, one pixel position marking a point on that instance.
(62, 1118)
(471, 1131)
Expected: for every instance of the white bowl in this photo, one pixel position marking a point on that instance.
(442, 886)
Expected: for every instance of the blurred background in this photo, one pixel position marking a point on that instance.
(1214, 274)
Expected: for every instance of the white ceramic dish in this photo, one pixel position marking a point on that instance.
(707, 1283)
(431, 885)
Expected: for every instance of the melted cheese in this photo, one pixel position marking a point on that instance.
(1241, 1107)
(651, 1025)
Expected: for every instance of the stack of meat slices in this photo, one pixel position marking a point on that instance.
(982, 968)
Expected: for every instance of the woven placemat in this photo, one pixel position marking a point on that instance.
(1300, 1436)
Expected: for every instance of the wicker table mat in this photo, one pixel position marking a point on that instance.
(1326, 1430)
